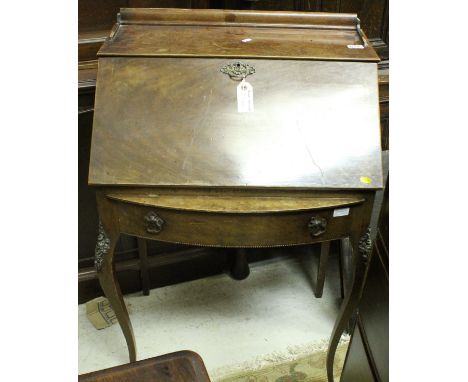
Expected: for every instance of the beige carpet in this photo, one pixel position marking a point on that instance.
(309, 367)
(270, 316)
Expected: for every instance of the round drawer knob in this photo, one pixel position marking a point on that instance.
(154, 223)
(317, 225)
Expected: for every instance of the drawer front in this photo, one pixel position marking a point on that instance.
(232, 230)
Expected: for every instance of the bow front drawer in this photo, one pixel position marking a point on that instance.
(249, 222)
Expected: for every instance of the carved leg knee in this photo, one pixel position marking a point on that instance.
(104, 265)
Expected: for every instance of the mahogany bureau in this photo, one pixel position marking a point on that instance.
(235, 129)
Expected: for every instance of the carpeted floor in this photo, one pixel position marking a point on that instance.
(306, 368)
(268, 319)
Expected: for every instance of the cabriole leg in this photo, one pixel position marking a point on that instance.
(104, 265)
(361, 250)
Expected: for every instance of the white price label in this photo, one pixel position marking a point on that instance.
(245, 97)
(357, 46)
(341, 212)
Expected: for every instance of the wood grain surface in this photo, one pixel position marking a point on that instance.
(233, 230)
(182, 366)
(166, 118)
(223, 33)
(232, 204)
(174, 121)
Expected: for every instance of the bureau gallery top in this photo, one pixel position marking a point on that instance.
(219, 98)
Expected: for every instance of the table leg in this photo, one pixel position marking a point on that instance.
(104, 264)
(144, 267)
(322, 267)
(239, 267)
(361, 250)
(345, 259)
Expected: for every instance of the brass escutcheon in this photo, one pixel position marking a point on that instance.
(238, 70)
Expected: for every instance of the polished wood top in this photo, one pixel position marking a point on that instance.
(235, 203)
(174, 122)
(241, 34)
(181, 366)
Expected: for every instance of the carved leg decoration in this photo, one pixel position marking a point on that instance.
(322, 268)
(103, 262)
(361, 252)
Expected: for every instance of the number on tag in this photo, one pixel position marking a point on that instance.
(245, 97)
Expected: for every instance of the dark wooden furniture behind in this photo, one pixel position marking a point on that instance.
(182, 366)
(368, 355)
(95, 20)
(174, 159)
(372, 13)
